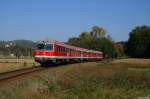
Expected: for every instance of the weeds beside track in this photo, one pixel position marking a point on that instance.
(16, 73)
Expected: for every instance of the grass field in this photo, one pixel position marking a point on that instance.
(133, 61)
(117, 79)
(14, 64)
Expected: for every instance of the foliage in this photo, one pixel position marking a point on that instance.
(119, 46)
(98, 32)
(138, 44)
(95, 40)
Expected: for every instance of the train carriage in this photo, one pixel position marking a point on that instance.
(49, 52)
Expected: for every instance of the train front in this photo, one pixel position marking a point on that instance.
(44, 52)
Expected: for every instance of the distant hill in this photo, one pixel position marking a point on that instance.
(21, 42)
(24, 43)
(17, 48)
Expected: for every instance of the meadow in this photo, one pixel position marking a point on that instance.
(115, 79)
(10, 64)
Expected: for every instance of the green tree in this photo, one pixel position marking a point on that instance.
(98, 32)
(95, 40)
(138, 44)
(74, 41)
(119, 46)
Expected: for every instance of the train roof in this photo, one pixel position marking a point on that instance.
(68, 46)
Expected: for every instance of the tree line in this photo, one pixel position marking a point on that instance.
(138, 44)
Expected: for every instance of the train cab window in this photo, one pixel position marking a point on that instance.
(40, 46)
(48, 47)
(44, 47)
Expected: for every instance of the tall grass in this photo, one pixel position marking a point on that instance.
(93, 82)
(101, 80)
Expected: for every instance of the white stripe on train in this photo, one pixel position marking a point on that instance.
(60, 57)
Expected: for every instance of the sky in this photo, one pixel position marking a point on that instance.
(62, 19)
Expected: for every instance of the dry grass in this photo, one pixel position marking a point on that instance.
(93, 80)
(16, 60)
(14, 64)
(133, 61)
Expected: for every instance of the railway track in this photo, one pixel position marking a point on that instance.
(17, 73)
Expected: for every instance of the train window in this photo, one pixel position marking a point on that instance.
(44, 47)
(58, 49)
(66, 50)
(40, 46)
(48, 47)
(62, 49)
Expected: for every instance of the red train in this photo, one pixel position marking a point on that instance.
(49, 52)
